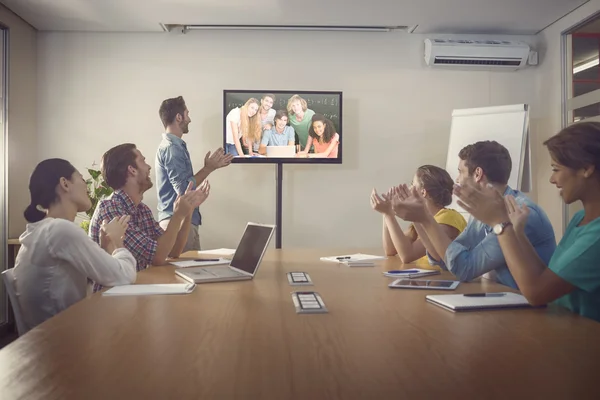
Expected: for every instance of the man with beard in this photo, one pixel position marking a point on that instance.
(174, 166)
(124, 169)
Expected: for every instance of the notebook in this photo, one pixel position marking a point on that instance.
(480, 301)
(281, 151)
(161, 288)
(218, 252)
(246, 260)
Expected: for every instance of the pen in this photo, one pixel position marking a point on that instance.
(208, 259)
(484, 294)
(403, 271)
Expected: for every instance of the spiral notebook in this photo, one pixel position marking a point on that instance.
(482, 301)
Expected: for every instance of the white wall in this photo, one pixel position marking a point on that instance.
(99, 90)
(546, 115)
(21, 118)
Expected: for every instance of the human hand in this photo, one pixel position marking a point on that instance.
(201, 194)
(484, 204)
(218, 159)
(381, 204)
(408, 204)
(113, 232)
(517, 213)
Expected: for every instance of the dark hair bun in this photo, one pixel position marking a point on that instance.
(32, 214)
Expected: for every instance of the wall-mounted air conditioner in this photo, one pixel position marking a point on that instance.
(476, 54)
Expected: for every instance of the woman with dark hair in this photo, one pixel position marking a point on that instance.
(572, 277)
(435, 185)
(57, 257)
(323, 137)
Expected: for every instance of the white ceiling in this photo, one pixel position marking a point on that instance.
(431, 16)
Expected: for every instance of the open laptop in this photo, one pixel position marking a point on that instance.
(245, 262)
(281, 151)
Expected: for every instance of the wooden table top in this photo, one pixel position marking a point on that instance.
(245, 340)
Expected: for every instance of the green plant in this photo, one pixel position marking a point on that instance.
(97, 189)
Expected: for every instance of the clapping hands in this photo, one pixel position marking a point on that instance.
(218, 159)
(408, 204)
(191, 199)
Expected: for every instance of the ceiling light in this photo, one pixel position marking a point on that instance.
(297, 28)
(586, 65)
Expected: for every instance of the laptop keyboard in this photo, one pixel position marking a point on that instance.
(221, 272)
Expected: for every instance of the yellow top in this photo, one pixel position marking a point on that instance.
(446, 216)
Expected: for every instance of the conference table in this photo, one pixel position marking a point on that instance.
(244, 340)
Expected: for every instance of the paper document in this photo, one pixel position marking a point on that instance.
(218, 252)
(200, 263)
(161, 288)
(353, 258)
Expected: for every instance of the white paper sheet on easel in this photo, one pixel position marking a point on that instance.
(219, 252)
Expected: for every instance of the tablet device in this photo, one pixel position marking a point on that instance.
(423, 284)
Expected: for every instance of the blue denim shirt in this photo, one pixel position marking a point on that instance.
(476, 250)
(174, 172)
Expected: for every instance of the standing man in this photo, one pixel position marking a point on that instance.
(174, 166)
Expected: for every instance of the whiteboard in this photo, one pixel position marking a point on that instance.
(508, 125)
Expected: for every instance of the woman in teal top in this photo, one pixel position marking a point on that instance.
(572, 278)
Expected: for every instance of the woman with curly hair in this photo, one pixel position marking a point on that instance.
(323, 137)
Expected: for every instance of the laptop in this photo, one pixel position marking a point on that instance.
(244, 264)
(281, 151)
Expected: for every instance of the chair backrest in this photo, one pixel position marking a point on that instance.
(11, 288)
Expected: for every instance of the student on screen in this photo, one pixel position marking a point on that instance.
(57, 258)
(300, 117)
(435, 186)
(476, 250)
(323, 137)
(266, 111)
(243, 126)
(281, 135)
(571, 278)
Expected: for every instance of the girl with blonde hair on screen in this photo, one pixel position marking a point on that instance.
(243, 123)
(300, 117)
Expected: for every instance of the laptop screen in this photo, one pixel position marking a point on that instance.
(251, 247)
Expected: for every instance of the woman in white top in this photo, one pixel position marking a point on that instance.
(243, 123)
(57, 257)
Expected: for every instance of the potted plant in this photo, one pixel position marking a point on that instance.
(98, 190)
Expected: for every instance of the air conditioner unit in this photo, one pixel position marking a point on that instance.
(476, 54)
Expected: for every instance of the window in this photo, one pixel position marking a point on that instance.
(582, 81)
(3, 170)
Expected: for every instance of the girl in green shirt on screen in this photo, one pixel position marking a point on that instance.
(572, 278)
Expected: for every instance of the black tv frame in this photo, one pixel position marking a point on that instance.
(287, 160)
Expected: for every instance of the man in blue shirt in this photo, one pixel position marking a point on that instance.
(281, 134)
(173, 166)
(476, 251)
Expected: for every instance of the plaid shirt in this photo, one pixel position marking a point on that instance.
(142, 233)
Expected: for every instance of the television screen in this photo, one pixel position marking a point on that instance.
(273, 126)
